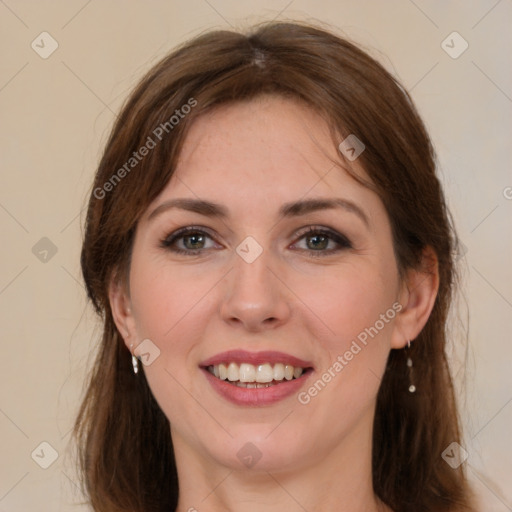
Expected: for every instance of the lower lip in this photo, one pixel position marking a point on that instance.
(256, 396)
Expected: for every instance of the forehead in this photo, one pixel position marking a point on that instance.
(266, 151)
(268, 137)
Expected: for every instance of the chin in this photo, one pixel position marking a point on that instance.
(254, 449)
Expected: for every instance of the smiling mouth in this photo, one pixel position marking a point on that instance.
(246, 375)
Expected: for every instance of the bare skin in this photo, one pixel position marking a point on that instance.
(307, 294)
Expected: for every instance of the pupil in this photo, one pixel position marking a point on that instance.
(193, 241)
(317, 242)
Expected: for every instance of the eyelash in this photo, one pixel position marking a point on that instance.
(342, 241)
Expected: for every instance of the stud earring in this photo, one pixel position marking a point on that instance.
(412, 387)
(135, 362)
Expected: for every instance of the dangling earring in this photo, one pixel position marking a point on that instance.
(135, 362)
(412, 387)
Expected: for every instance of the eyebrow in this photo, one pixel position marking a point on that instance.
(287, 210)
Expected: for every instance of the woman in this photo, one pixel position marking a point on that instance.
(268, 246)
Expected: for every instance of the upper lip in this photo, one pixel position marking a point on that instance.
(255, 358)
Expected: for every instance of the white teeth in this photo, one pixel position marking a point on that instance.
(223, 371)
(247, 372)
(288, 372)
(279, 371)
(265, 373)
(253, 385)
(250, 376)
(233, 373)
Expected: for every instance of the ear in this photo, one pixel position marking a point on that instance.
(417, 296)
(120, 305)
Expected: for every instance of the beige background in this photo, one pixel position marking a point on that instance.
(56, 114)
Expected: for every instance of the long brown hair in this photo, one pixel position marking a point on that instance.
(125, 447)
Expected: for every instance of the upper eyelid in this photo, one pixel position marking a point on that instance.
(188, 229)
(339, 238)
(184, 231)
(298, 234)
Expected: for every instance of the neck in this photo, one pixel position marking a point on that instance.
(338, 482)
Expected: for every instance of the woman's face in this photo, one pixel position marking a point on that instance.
(286, 261)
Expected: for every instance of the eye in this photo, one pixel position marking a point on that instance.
(321, 241)
(190, 240)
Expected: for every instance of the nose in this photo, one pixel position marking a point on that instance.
(255, 298)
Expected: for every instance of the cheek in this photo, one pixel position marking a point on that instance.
(352, 325)
(171, 308)
(343, 302)
(165, 298)
(354, 320)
